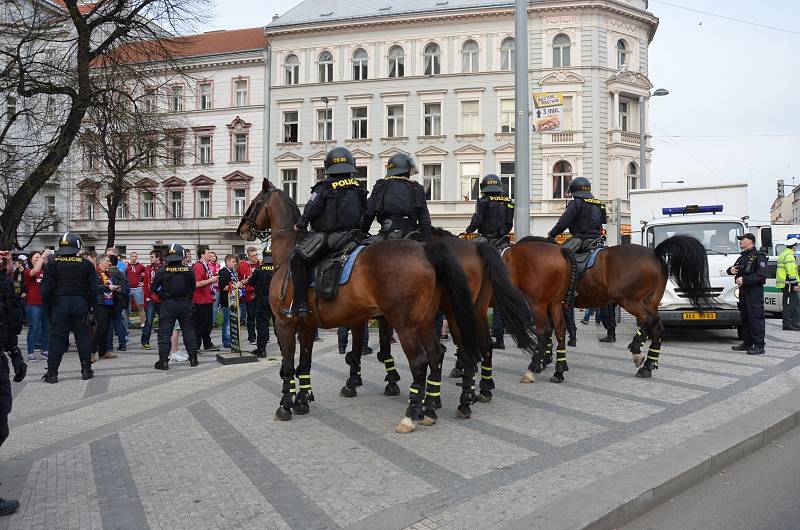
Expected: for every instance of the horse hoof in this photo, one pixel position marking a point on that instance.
(426, 421)
(528, 378)
(638, 359)
(391, 390)
(348, 392)
(558, 377)
(644, 373)
(457, 373)
(462, 413)
(283, 414)
(485, 398)
(301, 409)
(405, 426)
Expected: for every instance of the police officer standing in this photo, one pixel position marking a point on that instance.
(751, 275)
(335, 207)
(787, 280)
(260, 280)
(69, 292)
(398, 202)
(175, 286)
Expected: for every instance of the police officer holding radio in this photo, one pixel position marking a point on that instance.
(335, 207)
(175, 286)
(69, 292)
(751, 275)
(260, 280)
(398, 202)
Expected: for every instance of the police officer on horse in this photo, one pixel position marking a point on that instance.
(398, 202)
(494, 211)
(584, 216)
(334, 209)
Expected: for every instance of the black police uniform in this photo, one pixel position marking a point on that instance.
(493, 217)
(584, 217)
(10, 328)
(69, 292)
(335, 207)
(399, 204)
(752, 267)
(260, 280)
(175, 286)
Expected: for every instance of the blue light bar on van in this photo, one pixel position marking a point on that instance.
(692, 208)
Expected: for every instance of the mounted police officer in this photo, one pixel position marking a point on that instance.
(584, 217)
(334, 209)
(751, 275)
(398, 202)
(175, 285)
(260, 280)
(494, 211)
(69, 292)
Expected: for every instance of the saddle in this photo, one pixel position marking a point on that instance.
(335, 268)
(501, 243)
(585, 255)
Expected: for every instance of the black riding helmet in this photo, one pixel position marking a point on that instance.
(69, 244)
(266, 254)
(401, 165)
(340, 161)
(491, 184)
(580, 188)
(175, 252)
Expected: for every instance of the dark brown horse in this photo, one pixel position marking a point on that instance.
(631, 276)
(401, 280)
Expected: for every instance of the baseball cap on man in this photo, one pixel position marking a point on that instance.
(751, 237)
(22, 257)
(792, 241)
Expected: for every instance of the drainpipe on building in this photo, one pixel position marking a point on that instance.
(267, 106)
(522, 221)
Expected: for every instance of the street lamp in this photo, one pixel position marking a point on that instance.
(671, 182)
(642, 135)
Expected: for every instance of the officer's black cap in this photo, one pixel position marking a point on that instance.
(751, 237)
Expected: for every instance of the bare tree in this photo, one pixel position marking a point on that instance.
(50, 53)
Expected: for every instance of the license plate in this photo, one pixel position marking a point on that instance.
(699, 316)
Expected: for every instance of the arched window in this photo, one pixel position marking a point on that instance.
(632, 177)
(397, 58)
(360, 59)
(507, 55)
(470, 62)
(432, 56)
(291, 69)
(622, 53)
(561, 45)
(562, 176)
(325, 67)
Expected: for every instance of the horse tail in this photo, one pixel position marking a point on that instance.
(683, 258)
(509, 300)
(573, 274)
(453, 281)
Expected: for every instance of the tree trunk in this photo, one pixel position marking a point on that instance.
(113, 203)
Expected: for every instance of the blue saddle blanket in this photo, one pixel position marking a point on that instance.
(347, 270)
(593, 257)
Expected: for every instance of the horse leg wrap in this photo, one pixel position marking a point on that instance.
(652, 359)
(487, 382)
(433, 394)
(561, 361)
(468, 396)
(414, 410)
(289, 391)
(391, 372)
(304, 396)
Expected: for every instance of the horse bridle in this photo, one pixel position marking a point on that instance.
(252, 212)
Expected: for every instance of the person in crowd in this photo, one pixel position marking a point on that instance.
(228, 283)
(152, 301)
(176, 286)
(104, 306)
(135, 272)
(259, 281)
(587, 316)
(38, 329)
(750, 271)
(203, 301)
(19, 280)
(788, 281)
(246, 269)
(214, 266)
(608, 317)
(343, 335)
(122, 299)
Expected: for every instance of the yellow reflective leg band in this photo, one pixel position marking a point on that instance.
(652, 357)
(414, 390)
(389, 364)
(654, 351)
(434, 383)
(433, 394)
(488, 368)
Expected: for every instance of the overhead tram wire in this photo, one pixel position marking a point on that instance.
(741, 21)
(727, 136)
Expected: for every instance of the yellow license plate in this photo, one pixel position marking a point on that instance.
(699, 316)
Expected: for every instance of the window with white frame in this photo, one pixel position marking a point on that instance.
(507, 178)
(325, 67)
(90, 158)
(291, 126)
(123, 211)
(432, 58)
(151, 154)
(432, 181)
(623, 115)
(204, 149)
(149, 101)
(569, 114)
(176, 204)
(89, 206)
(148, 205)
(622, 53)
(470, 175)
(240, 90)
(508, 115)
(397, 58)
(289, 182)
(470, 117)
(291, 70)
(561, 51)
(239, 199)
(361, 176)
(204, 204)
(50, 109)
(359, 120)
(324, 125)
(205, 94)
(395, 126)
(319, 173)
(50, 203)
(176, 149)
(360, 60)
(240, 147)
(470, 61)
(432, 118)
(562, 176)
(507, 54)
(11, 107)
(632, 177)
(176, 98)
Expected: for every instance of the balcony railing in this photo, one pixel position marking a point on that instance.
(624, 137)
(562, 138)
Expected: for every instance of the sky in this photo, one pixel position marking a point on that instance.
(733, 112)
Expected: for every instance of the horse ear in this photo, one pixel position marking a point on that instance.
(266, 185)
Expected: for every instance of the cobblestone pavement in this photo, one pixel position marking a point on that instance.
(198, 448)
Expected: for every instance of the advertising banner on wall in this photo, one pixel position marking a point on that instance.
(548, 114)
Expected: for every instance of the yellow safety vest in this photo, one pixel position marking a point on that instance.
(787, 268)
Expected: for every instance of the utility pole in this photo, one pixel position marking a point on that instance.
(522, 221)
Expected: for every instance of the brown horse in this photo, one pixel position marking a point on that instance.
(632, 276)
(401, 280)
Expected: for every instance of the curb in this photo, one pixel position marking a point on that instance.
(622, 497)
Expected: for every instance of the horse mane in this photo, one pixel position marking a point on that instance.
(441, 232)
(536, 239)
(287, 200)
